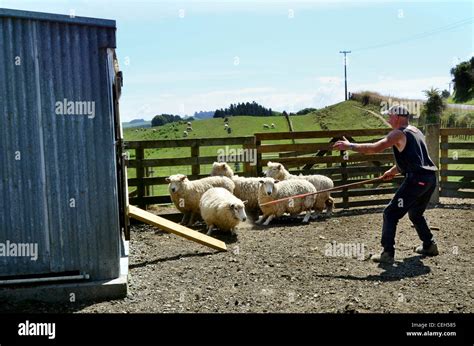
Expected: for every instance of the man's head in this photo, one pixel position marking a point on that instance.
(397, 116)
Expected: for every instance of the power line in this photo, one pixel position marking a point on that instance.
(445, 28)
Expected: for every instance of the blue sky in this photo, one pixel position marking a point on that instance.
(184, 56)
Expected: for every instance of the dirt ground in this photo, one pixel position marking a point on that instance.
(290, 267)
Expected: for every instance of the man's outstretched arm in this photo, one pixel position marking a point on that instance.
(370, 148)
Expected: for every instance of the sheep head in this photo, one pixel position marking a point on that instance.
(176, 181)
(275, 170)
(238, 211)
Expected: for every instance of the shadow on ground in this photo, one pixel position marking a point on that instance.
(408, 268)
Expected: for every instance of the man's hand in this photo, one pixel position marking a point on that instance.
(342, 145)
(390, 174)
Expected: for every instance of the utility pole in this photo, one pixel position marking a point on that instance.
(345, 71)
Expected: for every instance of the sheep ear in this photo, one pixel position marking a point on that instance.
(184, 177)
(279, 166)
(261, 181)
(167, 180)
(276, 181)
(245, 202)
(269, 163)
(232, 206)
(223, 164)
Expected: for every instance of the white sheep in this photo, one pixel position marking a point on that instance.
(189, 128)
(245, 188)
(271, 189)
(272, 125)
(226, 126)
(186, 194)
(185, 133)
(323, 200)
(265, 126)
(221, 169)
(189, 124)
(221, 209)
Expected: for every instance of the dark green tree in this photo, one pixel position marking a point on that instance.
(463, 80)
(433, 108)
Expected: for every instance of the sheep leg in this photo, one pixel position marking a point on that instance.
(260, 219)
(307, 216)
(191, 219)
(232, 231)
(270, 218)
(330, 206)
(184, 220)
(210, 229)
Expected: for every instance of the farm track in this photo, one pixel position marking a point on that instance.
(286, 268)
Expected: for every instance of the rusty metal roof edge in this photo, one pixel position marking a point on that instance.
(6, 12)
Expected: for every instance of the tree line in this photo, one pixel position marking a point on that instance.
(253, 109)
(162, 119)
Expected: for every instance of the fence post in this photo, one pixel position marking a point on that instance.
(432, 142)
(258, 144)
(196, 168)
(139, 156)
(344, 176)
(250, 168)
(444, 155)
(147, 187)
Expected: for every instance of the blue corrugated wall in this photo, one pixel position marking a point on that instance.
(62, 192)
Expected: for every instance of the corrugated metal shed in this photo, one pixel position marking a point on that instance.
(58, 168)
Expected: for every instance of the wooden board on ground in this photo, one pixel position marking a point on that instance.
(171, 227)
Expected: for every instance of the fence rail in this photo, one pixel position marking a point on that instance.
(313, 154)
(452, 153)
(142, 181)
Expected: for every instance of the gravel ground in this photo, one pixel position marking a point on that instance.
(290, 267)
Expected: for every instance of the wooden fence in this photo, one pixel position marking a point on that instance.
(307, 152)
(141, 196)
(314, 155)
(455, 182)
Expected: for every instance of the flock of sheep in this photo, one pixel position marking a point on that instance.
(189, 128)
(223, 199)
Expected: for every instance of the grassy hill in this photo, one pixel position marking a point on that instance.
(344, 115)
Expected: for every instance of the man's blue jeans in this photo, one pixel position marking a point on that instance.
(412, 197)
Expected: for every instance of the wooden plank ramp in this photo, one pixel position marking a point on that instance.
(172, 227)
